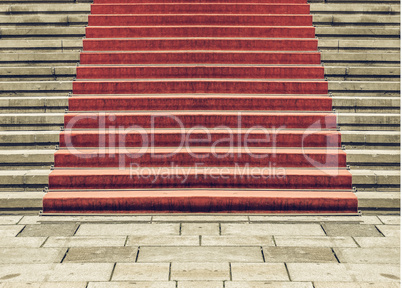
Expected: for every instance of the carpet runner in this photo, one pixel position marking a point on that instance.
(200, 106)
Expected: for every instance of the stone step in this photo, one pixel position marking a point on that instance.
(35, 58)
(21, 201)
(379, 200)
(42, 32)
(363, 86)
(57, 73)
(30, 20)
(371, 180)
(343, 44)
(50, 8)
(33, 104)
(358, 20)
(42, 45)
(368, 121)
(366, 104)
(29, 139)
(356, 32)
(362, 73)
(354, 8)
(338, 58)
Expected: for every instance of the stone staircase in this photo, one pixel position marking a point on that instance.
(39, 51)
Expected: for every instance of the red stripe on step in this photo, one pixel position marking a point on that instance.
(199, 44)
(176, 138)
(203, 31)
(203, 119)
(238, 20)
(202, 157)
(200, 201)
(200, 86)
(188, 57)
(197, 1)
(262, 178)
(201, 102)
(245, 72)
(200, 8)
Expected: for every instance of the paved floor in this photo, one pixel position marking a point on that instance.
(231, 251)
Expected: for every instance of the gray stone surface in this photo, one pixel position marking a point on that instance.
(299, 254)
(237, 241)
(44, 285)
(272, 229)
(10, 230)
(318, 272)
(390, 219)
(259, 272)
(85, 241)
(314, 241)
(128, 229)
(163, 241)
(390, 230)
(141, 272)
(101, 254)
(368, 255)
(18, 255)
(136, 284)
(205, 271)
(372, 242)
(34, 242)
(49, 230)
(200, 229)
(81, 272)
(267, 284)
(355, 285)
(358, 230)
(200, 254)
(199, 284)
(375, 272)
(9, 219)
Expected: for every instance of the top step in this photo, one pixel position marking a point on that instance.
(200, 8)
(198, 1)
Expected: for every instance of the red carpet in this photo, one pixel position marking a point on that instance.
(201, 107)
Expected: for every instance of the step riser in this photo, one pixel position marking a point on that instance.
(224, 87)
(202, 103)
(271, 139)
(63, 159)
(200, 9)
(327, 121)
(251, 202)
(195, 1)
(199, 44)
(259, 32)
(155, 72)
(200, 58)
(116, 181)
(238, 20)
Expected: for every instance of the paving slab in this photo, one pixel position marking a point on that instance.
(375, 272)
(299, 255)
(314, 241)
(204, 271)
(267, 284)
(355, 285)
(237, 241)
(24, 272)
(101, 254)
(86, 241)
(45, 285)
(390, 219)
(366, 219)
(200, 229)
(128, 229)
(200, 254)
(358, 230)
(199, 218)
(9, 219)
(259, 272)
(200, 284)
(141, 272)
(152, 284)
(31, 255)
(371, 242)
(83, 219)
(318, 272)
(49, 230)
(368, 255)
(10, 230)
(81, 272)
(390, 230)
(271, 229)
(163, 241)
(34, 242)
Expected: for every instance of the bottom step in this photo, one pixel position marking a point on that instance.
(236, 201)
